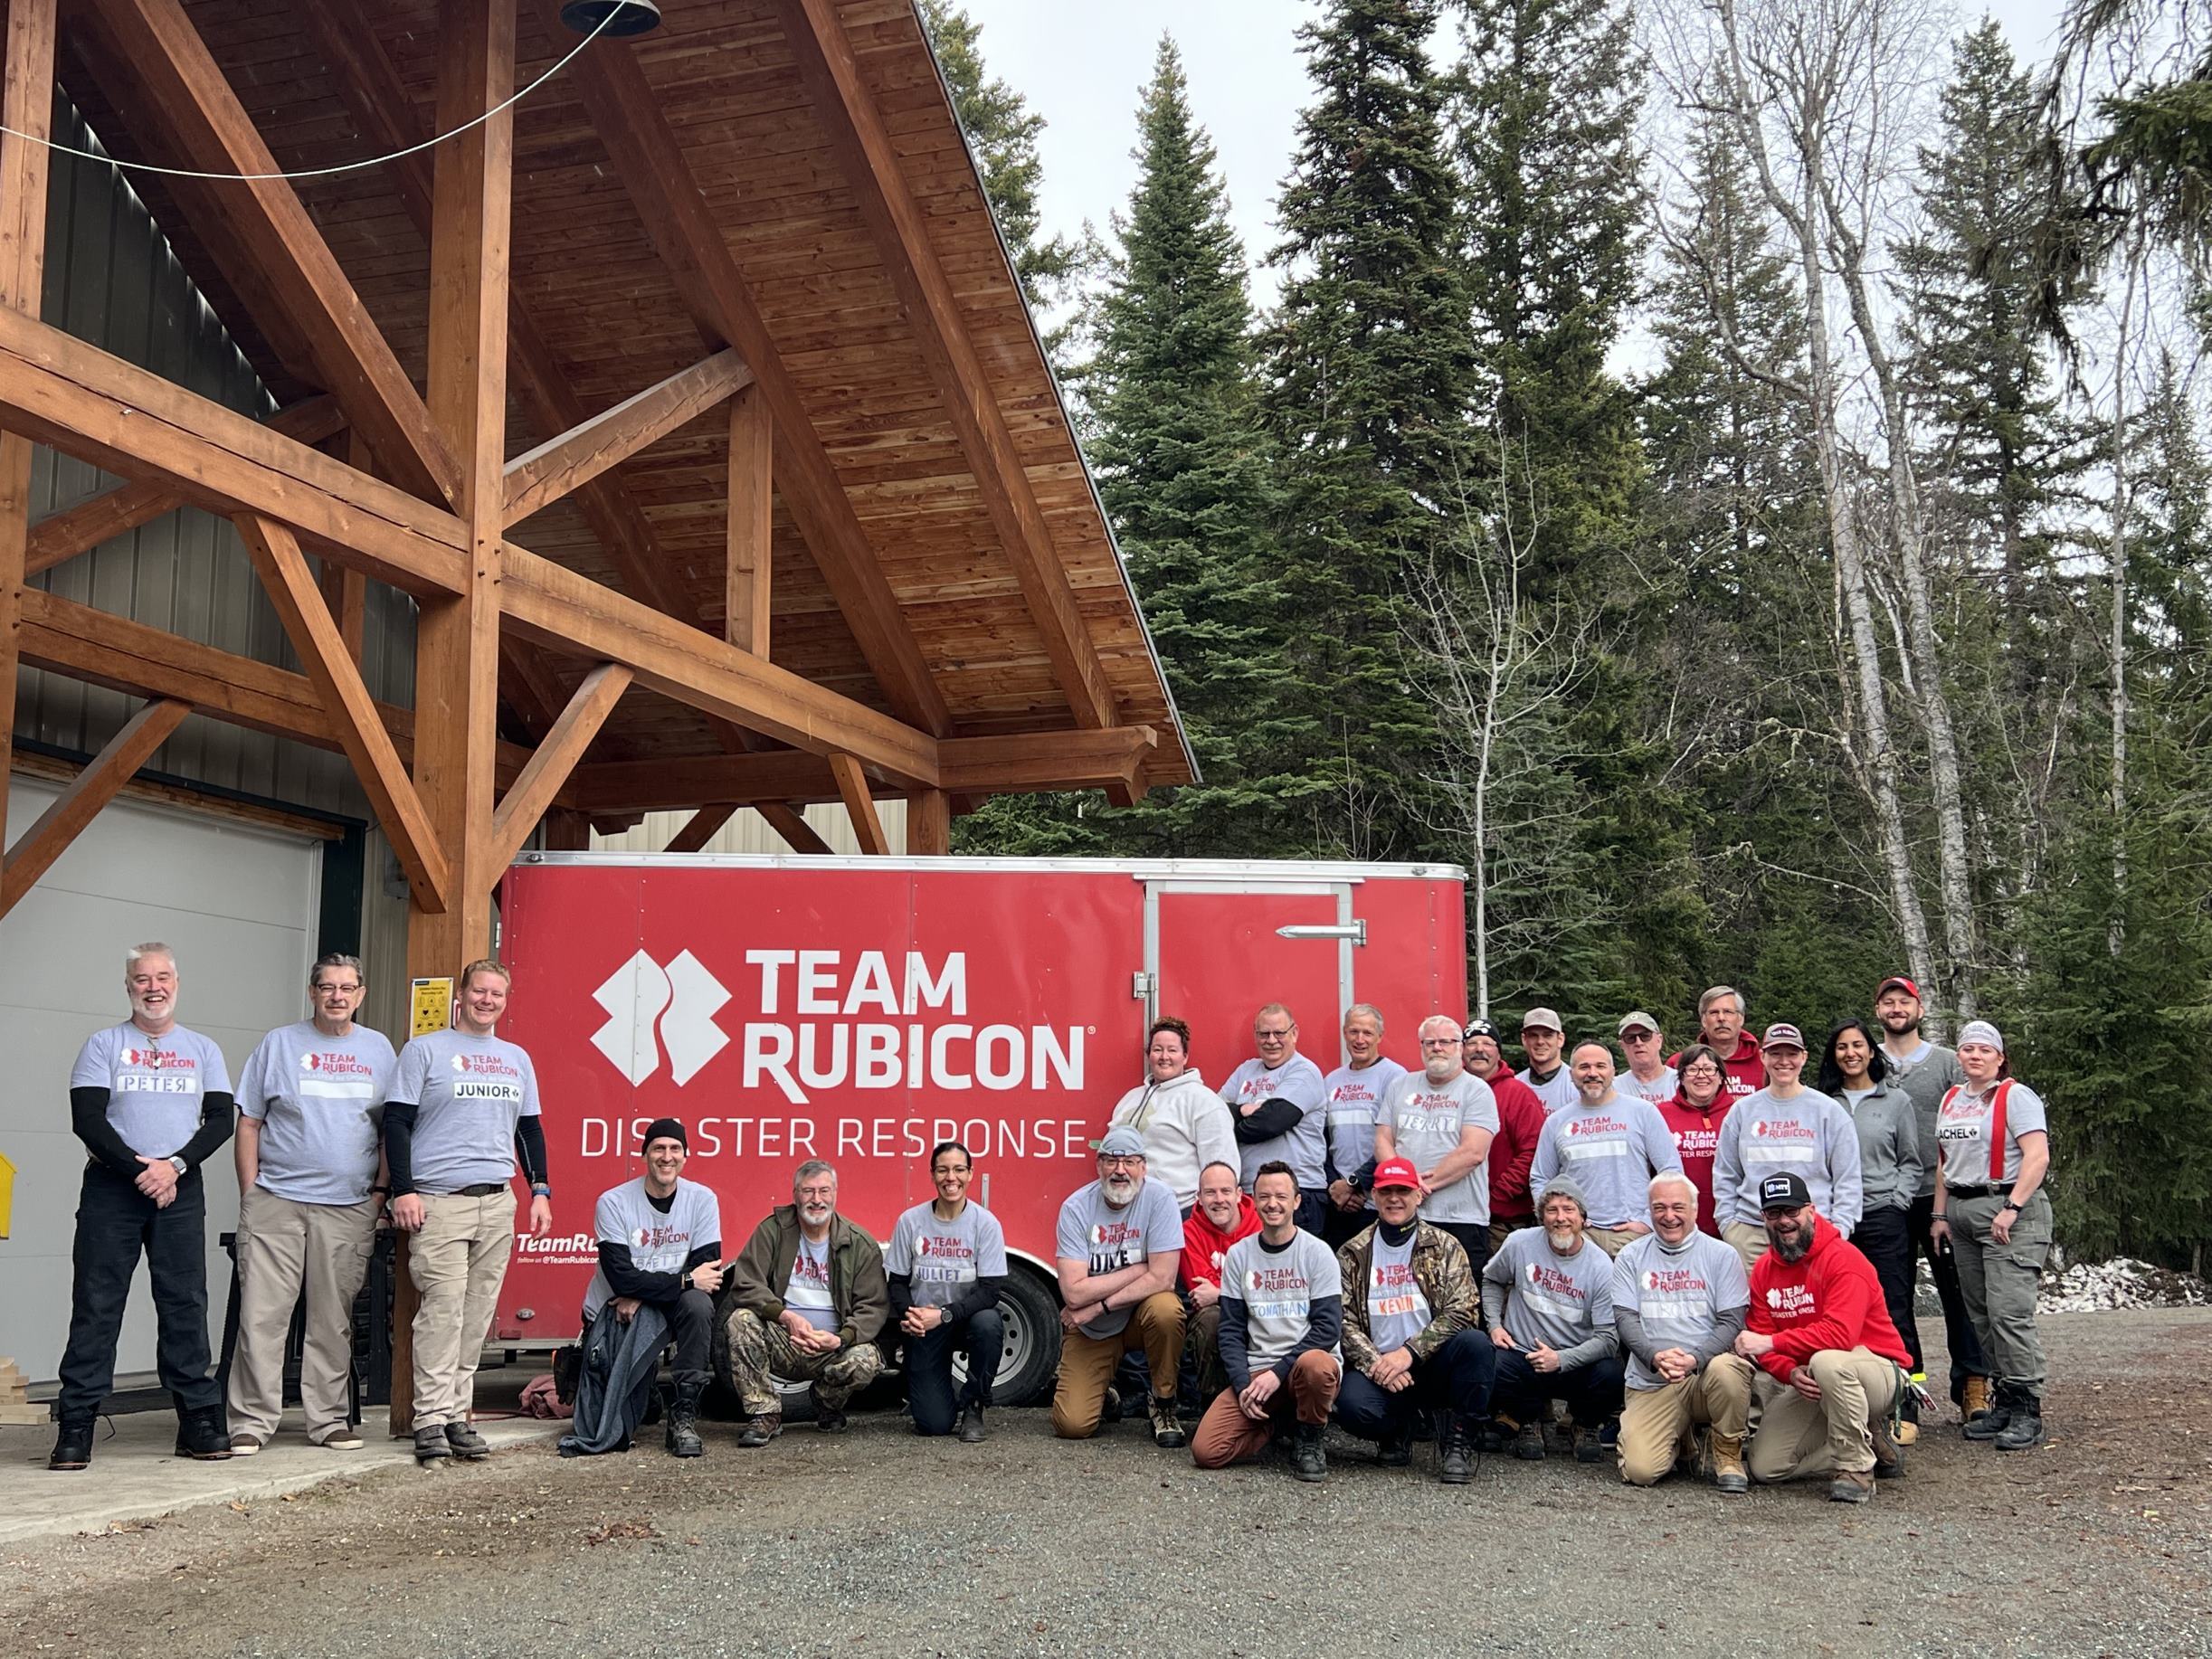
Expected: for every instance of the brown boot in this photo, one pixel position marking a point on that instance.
(1728, 1471)
(1974, 1398)
(1852, 1486)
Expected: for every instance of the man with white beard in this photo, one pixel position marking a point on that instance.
(1442, 1122)
(806, 1301)
(1117, 1246)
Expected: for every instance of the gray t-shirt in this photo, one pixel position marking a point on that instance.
(1558, 1301)
(1354, 1097)
(1428, 1120)
(155, 1084)
(1658, 1091)
(1398, 1309)
(1558, 1093)
(1093, 1231)
(471, 1092)
(1925, 1075)
(1678, 1294)
(1964, 1131)
(807, 1292)
(1279, 1289)
(659, 1242)
(321, 1100)
(1807, 1135)
(1611, 1152)
(1306, 1147)
(942, 1258)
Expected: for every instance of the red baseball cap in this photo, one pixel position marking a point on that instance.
(1396, 1172)
(1899, 982)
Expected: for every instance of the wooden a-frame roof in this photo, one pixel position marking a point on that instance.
(763, 201)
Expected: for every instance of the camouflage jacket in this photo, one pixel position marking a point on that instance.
(1440, 1268)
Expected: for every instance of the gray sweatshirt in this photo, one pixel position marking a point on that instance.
(1807, 1135)
(1562, 1302)
(1931, 1071)
(1890, 1162)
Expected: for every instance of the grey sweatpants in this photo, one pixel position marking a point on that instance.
(1999, 1281)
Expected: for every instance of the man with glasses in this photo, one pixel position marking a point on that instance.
(310, 1182)
(1721, 1014)
(1118, 1243)
(1649, 1076)
(1278, 1102)
(1442, 1120)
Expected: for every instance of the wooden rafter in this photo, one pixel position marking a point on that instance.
(650, 158)
(293, 590)
(790, 823)
(699, 828)
(188, 99)
(76, 806)
(746, 567)
(532, 794)
(566, 463)
(860, 805)
(863, 146)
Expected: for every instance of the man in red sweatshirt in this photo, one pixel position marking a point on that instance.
(1829, 1362)
(1720, 1026)
(1223, 1215)
(1520, 1124)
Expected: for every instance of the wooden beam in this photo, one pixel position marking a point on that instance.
(790, 823)
(532, 795)
(292, 589)
(27, 110)
(567, 831)
(565, 463)
(188, 98)
(699, 828)
(746, 568)
(63, 536)
(76, 806)
(862, 144)
(852, 785)
(929, 824)
(647, 155)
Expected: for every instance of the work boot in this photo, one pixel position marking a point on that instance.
(466, 1443)
(431, 1446)
(972, 1425)
(1728, 1473)
(2026, 1429)
(1973, 1398)
(1851, 1486)
(1167, 1431)
(1395, 1449)
(1308, 1460)
(1497, 1431)
(202, 1434)
(72, 1444)
(682, 1432)
(827, 1419)
(1109, 1408)
(1456, 1465)
(1588, 1443)
(760, 1431)
(1908, 1432)
(1528, 1443)
(1991, 1421)
(1888, 1455)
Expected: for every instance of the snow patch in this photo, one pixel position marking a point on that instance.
(2095, 1287)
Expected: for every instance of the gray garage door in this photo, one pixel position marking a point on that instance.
(239, 903)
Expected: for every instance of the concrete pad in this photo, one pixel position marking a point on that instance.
(136, 1474)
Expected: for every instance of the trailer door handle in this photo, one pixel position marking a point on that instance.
(1355, 930)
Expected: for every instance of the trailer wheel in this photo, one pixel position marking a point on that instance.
(1030, 1307)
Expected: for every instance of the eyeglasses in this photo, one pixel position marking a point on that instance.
(1701, 1071)
(1120, 1160)
(1639, 1036)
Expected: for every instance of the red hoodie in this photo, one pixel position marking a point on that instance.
(1204, 1245)
(1746, 1068)
(1829, 1299)
(1520, 1121)
(1697, 1134)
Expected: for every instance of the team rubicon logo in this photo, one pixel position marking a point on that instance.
(679, 1003)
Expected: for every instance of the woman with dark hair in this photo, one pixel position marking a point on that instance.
(1694, 1118)
(1853, 1071)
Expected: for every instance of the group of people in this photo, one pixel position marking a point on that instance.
(1665, 1253)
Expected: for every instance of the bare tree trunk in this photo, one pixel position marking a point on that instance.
(2116, 929)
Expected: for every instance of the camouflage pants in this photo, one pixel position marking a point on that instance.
(753, 1352)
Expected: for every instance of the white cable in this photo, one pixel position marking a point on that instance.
(349, 166)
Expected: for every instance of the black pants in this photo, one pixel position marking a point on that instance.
(1341, 1226)
(115, 1223)
(1457, 1378)
(1592, 1392)
(1314, 1209)
(691, 1325)
(930, 1396)
(1967, 1360)
(1885, 1236)
(1474, 1238)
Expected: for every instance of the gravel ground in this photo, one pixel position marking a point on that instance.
(2099, 1542)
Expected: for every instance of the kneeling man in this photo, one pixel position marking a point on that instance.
(1678, 1304)
(1282, 1314)
(1116, 1247)
(1548, 1299)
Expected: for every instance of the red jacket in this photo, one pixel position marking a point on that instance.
(1830, 1299)
(1697, 1136)
(1520, 1120)
(1204, 1245)
(1746, 1068)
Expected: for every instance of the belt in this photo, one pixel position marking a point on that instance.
(482, 1190)
(1983, 1191)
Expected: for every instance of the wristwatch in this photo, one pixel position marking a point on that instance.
(179, 1165)
(2010, 1204)
(539, 1190)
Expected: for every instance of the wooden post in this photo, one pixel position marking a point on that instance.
(745, 576)
(456, 640)
(26, 107)
(860, 805)
(929, 824)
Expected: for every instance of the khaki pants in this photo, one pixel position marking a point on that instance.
(1998, 1282)
(286, 1248)
(1656, 1422)
(1087, 1362)
(1226, 1436)
(1613, 1240)
(1751, 1241)
(458, 1262)
(759, 1352)
(1831, 1435)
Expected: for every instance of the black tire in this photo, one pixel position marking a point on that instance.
(1030, 1306)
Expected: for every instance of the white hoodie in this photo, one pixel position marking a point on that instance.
(1185, 1128)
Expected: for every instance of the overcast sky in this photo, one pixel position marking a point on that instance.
(1082, 67)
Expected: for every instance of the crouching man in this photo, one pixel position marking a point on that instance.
(806, 1301)
(1224, 1215)
(1548, 1299)
(1282, 1315)
(1678, 1304)
(660, 1266)
(1413, 1336)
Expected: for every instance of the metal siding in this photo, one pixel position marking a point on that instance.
(748, 831)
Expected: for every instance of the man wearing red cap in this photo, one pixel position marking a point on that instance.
(1831, 1363)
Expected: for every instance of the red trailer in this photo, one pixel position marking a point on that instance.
(861, 1009)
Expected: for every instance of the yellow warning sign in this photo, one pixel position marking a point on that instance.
(432, 1003)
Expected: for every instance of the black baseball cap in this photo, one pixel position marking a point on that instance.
(1477, 1028)
(1784, 1192)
